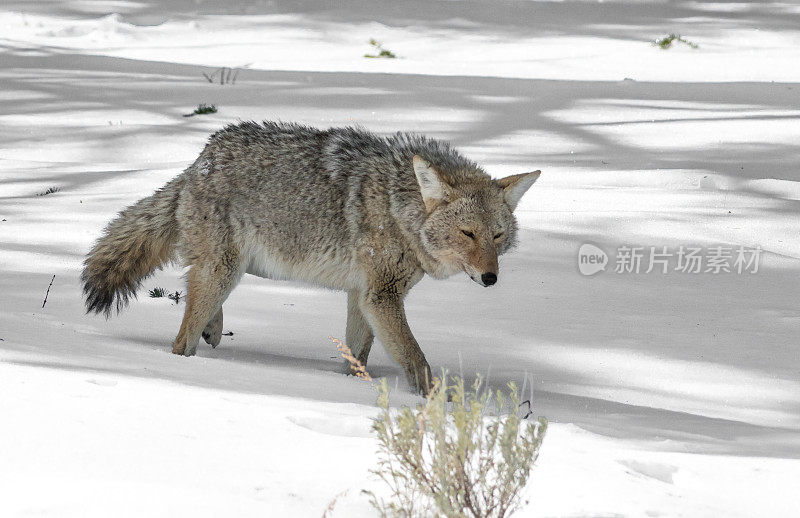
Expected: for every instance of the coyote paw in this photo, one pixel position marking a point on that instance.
(212, 334)
(212, 338)
(419, 377)
(181, 348)
(346, 368)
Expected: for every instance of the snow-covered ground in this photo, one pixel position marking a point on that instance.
(670, 394)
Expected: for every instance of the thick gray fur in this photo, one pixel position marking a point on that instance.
(341, 208)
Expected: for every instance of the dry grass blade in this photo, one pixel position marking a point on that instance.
(332, 504)
(356, 367)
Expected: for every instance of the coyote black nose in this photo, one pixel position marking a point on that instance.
(489, 278)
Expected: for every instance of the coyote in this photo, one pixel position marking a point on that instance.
(341, 208)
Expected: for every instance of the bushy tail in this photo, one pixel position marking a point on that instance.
(141, 239)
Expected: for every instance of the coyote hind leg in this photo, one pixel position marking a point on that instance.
(209, 286)
(212, 334)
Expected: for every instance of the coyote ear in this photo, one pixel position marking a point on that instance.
(433, 188)
(516, 185)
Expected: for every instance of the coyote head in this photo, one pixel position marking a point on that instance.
(469, 221)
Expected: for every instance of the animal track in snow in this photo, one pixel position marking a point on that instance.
(656, 470)
(343, 426)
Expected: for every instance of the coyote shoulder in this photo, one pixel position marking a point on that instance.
(341, 208)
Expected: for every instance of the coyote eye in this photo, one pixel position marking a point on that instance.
(468, 234)
(498, 236)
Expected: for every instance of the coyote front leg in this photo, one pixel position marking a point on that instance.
(385, 313)
(359, 334)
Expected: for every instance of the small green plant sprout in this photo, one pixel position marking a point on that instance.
(667, 41)
(157, 292)
(380, 52)
(202, 109)
(177, 296)
(50, 190)
(466, 452)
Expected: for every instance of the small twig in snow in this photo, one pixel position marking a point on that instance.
(529, 412)
(48, 291)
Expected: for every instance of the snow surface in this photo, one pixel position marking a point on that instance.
(668, 394)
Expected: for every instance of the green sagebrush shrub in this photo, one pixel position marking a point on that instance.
(465, 453)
